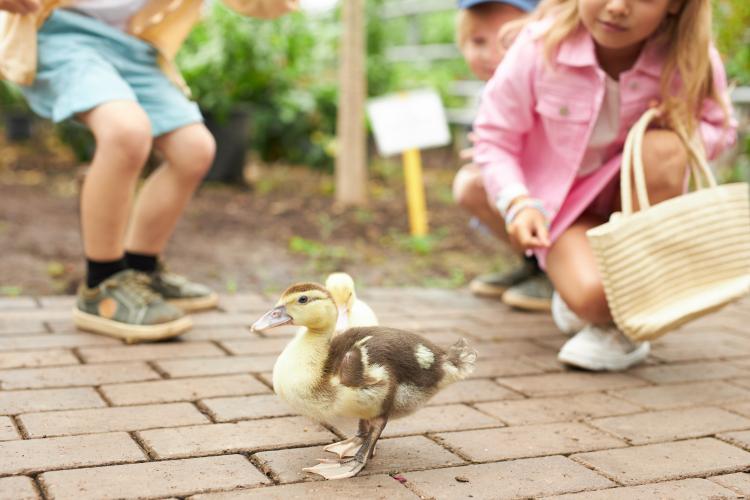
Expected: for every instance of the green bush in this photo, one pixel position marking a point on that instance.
(732, 18)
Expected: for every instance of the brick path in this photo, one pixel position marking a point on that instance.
(83, 416)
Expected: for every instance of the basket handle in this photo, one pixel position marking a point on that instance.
(632, 160)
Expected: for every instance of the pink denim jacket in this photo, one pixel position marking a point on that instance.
(534, 122)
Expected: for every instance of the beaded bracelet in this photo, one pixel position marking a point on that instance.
(517, 207)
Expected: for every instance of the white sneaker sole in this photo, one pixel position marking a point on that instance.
(596, 362)
(196, 304)
(130, 333)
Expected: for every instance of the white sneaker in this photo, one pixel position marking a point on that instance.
(565, 319)
(603, 348)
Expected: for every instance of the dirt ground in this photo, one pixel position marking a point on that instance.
(286, 227)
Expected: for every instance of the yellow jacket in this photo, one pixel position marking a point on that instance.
(163, 23)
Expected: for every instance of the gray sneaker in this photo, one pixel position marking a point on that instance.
(181, 292)
(533, 294)
(125, 306)
(494, 285)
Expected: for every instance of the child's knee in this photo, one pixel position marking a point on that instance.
(198, 152)
(129, 138)
(665, 160)
(468, 190)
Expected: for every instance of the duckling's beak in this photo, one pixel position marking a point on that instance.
(273, 318)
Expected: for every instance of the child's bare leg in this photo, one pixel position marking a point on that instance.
(123, 141)
(572, 268)
(469, 193)
(665, 162)
(188, 152)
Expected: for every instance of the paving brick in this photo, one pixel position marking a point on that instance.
(739, 482)
(215, 319)
(16, 328)
(570, 382)
(18, 488)
(741, 408)
(503, 367)
(670, 425)
(16, 402)
(429, 419)
(246, 407)
(687, 489)
(681, 395)
(371, 488)
(216, 366)
(696, 347)
(147, 352)
(16, 303)
(741, 438)
(488, 445)
(509, 349)
(559, 409)
(505, 331)
(391, 455)
(47, 341)
(34, 455)
(8, 431)
(153, 479)
(37, 378)
(185, 389)
(688, 372)
(472, 391)
(35, 359)
(254, 303)
(245, 436)
(220, 333)
(527, 478)
(62, 302)
(665, 461)
(130, 418)
(255, 346)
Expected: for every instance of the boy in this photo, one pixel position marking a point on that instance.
(478, 25)
(109, 64)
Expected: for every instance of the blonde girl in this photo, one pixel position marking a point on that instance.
(552, 126)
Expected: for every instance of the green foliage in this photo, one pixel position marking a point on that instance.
(733, 37)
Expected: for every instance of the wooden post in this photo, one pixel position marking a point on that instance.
(415, 192)
(351, 159)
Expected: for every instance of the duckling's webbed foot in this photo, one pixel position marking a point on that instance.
(349, 467)
(349, 447)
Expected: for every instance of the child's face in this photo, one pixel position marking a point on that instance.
(619, 26)
(482, 49)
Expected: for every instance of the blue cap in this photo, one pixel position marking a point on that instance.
(524, 5)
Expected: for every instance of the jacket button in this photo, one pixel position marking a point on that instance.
(564, 111)
(633, 86)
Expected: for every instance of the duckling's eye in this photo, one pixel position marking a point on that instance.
(303, 300)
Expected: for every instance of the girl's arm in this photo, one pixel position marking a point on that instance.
(718, 131)
(505, 116)
(265, 9)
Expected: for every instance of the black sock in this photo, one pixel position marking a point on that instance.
(141, 261)
(98, 270)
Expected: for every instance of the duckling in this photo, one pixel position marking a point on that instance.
(371, 373)
(352, 310)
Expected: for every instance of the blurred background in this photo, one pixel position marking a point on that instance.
(267, 213)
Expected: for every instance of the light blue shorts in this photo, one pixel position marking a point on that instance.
(83, 63)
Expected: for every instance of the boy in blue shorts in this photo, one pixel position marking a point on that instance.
(109, 64)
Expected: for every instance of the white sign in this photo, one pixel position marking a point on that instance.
(408, 120)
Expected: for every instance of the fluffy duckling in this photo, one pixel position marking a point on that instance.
(370, 373)
(352, 311)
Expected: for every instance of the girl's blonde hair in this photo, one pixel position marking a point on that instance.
(687, 75)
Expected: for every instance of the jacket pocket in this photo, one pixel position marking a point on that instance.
(565, 122)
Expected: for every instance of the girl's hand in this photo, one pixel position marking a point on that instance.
(529, 230)
(20, 6)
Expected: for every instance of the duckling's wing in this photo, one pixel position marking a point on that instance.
(355, 368)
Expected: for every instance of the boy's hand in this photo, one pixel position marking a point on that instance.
(529, 230)
(20, 6)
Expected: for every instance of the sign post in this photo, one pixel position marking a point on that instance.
(406, 123)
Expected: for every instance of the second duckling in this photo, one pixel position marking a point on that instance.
(353, 311)
(370, 373)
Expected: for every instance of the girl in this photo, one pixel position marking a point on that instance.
(552, 126)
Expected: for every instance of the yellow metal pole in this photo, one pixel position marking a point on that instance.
(415, 192)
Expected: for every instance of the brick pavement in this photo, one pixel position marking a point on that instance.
(83, 416)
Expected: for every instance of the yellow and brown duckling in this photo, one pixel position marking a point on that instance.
(370, 373)
(352, 310)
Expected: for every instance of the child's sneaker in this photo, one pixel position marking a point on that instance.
(494, 285)
(125, 306)
(600, 348)
(532, 294)
(181, 292)
(565, 319)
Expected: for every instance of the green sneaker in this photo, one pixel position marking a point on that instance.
(125, 306)
(533, 294)
(181, 292)
(494, 285)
